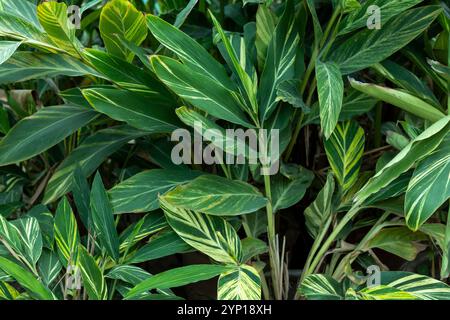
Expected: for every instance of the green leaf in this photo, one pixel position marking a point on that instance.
(210, 235)
(388, 9)
(321, 209)
(248, 85)
(330, 88)
(177, 277)
(321, 287)
(103, 220)
(371, 46)
(66, 234)
(204, 93)
(191, 53)
(399, 241)
(149, 224)
(242, 283)
(88, 156)
(26, 280)
(129, 76)
(252, 247)
(54, 20)
(30, 237)
(416, 150)
(400, 99)
(7, 49)
(23, 66)
(216, 195)
(163, 245)
(93, 281)
(130, 274)
(140, 192)
(265, 26)
(280, 61)
(288, 192)
(133, 108)
(41, 131)
(344, 150)
(429, 187)
(49, 266)
(119, 18)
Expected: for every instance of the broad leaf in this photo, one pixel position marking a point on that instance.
(93, 280)
(242, 283)
(140, 192)
(7, 49)
(215, 195)
(41, 131)
(66, 234)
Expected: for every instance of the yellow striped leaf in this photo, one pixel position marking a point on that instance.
(344, 151)
(66, 234)
(242, 283)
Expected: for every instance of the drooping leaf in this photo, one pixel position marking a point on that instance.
(321, 287)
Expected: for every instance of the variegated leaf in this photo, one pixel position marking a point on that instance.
(210, 235)
(242, 283)
(49, 266)
(30, 238)
(119, 18)
(344, 150)
(330, 88)
(215, 195)
(93, 280)
(321, 287)
(66, 234)
(7, 49)
(429, 187)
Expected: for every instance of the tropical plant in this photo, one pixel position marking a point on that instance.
(90, 197)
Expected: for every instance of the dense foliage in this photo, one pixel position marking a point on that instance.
(92, 203)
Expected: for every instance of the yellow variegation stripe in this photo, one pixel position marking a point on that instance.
(66, 233)
(210, 235)
(243, 283)
(344, 150)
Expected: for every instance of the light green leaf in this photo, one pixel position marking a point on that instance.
(399, 241)
(330, 88)
(371, 46)
(210, 235)
(266, 21)
(216, 195)
(344, 150)
(7, 49)
(41, 131)
(177, 277)
(429, 187)
(88, 156)
(140, 192)
(119, 18)
(400, 99)
(242, 283)
(103, 220)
